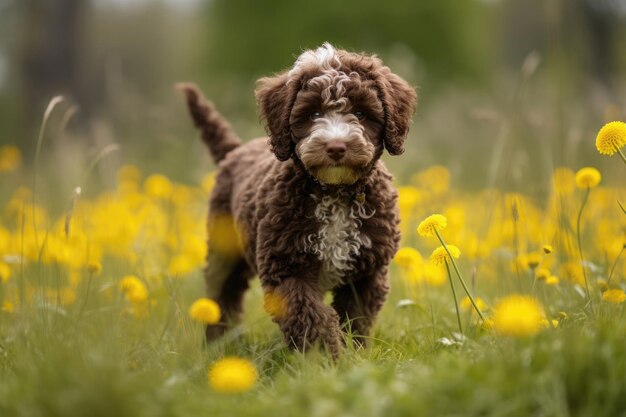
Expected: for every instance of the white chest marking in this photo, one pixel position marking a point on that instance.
(339, 240)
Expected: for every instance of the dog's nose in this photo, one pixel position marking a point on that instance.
(336, 149)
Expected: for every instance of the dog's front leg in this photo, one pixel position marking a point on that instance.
(358, 303)
(297, 306)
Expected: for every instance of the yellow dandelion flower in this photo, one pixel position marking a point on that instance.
(433, 275)
(134, 289)
(5, 240)
(158, 186)
(5, 272)
(466, 304)
(533, 260)
(129, 173)
(74, 277)
(182, 195)
(456, 214)
(440, 255)
(572, 272)
(232, 375)
(518, 316)
(7, 306)
(67, 296)
(552, 280)
(547, 249)
(205, 311)
(408, 198)
(127, 188)
(563, 180)
(611, 137)
(94, 267)
(602, 284)
(407, 257)
(430, 224)
(550, 323)
(435, 179)
(542, 274)
(614, 296)
(10, 158)
(588, 177)
(180, 265)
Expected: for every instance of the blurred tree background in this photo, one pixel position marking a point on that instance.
(116, 61)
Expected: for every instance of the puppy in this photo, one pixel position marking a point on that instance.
(312, 209)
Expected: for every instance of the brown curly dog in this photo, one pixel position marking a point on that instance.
(312, 209)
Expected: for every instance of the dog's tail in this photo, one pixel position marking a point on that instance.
(215, 130)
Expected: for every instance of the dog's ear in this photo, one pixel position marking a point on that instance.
(275, 97)
(399, 100)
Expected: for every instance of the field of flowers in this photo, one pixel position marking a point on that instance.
(502, 304)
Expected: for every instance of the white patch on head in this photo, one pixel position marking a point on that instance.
(337, 126)
(339, 240)
(325, 56)
(345, 128)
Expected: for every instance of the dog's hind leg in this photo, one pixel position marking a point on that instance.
(226, 272)
(226, 281)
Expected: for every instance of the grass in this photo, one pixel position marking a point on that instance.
(54, 364)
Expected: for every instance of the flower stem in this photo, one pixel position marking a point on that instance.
(456, 302)
(456, 269)
(83, 305)
(621, 154)
(580, 246)
(608, 280)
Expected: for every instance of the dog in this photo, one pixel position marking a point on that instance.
(311, 209)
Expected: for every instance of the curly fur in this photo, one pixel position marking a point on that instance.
(303, 218)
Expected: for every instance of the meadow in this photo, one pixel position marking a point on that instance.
(97, 289)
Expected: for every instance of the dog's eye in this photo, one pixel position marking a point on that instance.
(359, 115)
(316, 115)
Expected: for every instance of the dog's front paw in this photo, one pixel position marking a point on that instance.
(310, 325)
(214, 331)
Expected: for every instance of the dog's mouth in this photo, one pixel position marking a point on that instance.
(339, 161)
(337, 175)
(347, 171)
